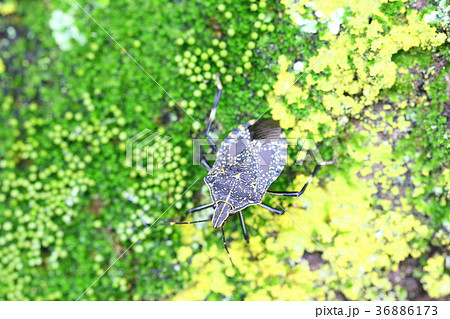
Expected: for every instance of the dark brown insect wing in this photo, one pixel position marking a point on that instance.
(265, 129)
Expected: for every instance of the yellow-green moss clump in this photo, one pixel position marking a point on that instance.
(2, 66)
(350, 72)
(8, 7)
(436, 281)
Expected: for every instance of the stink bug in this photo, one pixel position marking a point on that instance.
(248, 161)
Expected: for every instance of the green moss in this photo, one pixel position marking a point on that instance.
(69, 206)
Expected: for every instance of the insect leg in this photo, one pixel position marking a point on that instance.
(246, 236)
(244, 229)
(226, 247)
(213, 114)
(195, 209)
(203, 159)
(271, 209)
(297, 194)
(185, 223)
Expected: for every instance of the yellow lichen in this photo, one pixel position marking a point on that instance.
(8, 7)
(436, 281)
(2, 66)
(368, 47)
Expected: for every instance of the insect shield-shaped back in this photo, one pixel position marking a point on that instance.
(248, 161)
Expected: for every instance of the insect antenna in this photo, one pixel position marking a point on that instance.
(185, 223)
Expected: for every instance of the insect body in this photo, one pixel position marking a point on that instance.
(248, 161)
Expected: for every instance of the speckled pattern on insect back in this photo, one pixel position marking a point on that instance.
(246, 165)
